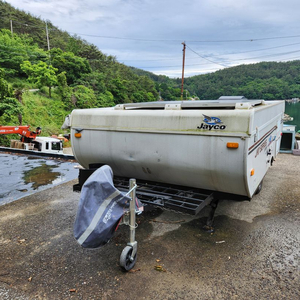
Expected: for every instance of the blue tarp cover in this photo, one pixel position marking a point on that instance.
(100, 209)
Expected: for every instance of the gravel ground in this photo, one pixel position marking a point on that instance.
(254, 252)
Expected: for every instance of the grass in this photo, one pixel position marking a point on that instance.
(38, 111)
(44, 112)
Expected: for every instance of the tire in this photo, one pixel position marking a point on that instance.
(125, 259)
(259, 188)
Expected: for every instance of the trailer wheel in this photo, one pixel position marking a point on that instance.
(126, 261)
(259, 188)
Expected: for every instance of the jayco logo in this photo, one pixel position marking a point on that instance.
(211, 123)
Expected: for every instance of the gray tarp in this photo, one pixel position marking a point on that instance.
(100, 208)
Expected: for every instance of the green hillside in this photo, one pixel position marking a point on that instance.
(169, 89)
(265, 80)
(111, 81)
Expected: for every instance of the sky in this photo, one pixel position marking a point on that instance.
(148, 34)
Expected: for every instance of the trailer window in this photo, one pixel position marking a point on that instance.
(47, 145)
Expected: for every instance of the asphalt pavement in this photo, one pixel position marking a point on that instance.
(254, 252)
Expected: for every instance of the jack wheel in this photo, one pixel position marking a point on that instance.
(126, 261)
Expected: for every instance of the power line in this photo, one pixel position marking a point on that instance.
(168, 40)
(242, 59)
(159, 59)
(214, 62)
(247, 40)
(249, 51)
(267, 55)
(210, 56)
(190, 41)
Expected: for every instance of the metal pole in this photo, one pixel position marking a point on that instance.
(182, 78)
(48, 43)
(132, 183)
(47, 34)
(11, 28)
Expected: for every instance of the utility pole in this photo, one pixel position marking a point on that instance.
(11, 28)
(183, 60)
(48, 43)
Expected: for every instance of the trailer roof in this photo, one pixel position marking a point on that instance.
(220, 103)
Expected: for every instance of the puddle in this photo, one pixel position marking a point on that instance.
(21, 175)
(41, 175)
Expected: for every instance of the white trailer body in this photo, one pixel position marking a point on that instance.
(219, 145)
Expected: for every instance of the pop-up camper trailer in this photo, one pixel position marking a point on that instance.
(224, 145)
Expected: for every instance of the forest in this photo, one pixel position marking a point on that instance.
(84, 64)
(264, 80)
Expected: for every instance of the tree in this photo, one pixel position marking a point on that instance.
(15, 49)
(18, 93)
(106, 100)
(5, 89)
(118, 89)
(94, 80)
(83, 97)
(40, 74)
(63, 90)
(68, 62)
(9, 106)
